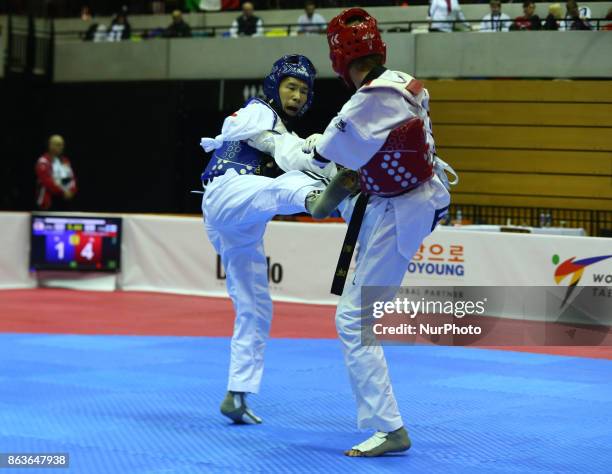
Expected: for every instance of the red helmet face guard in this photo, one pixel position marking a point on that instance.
(347, 43)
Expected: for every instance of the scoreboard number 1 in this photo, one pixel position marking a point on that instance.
(60, 250)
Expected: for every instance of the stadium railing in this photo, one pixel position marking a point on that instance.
(291, 29)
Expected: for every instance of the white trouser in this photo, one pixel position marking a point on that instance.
(382, 260)
(236, 210)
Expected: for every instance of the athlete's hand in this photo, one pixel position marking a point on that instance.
(309, 144)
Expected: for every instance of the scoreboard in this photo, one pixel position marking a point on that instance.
(59, 242)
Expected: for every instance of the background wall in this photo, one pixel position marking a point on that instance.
(201, 58)
(576, 54)
(534, 54)
(135, 144)
(527, 143)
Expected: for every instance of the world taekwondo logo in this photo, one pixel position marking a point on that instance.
(575, 270)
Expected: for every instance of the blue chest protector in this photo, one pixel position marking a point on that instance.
(233, 155)
(237, 155)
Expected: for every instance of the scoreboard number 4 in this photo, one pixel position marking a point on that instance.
(87, 251)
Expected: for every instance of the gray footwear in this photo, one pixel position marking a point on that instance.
(321, 204)
(381, 443)
(235, 408)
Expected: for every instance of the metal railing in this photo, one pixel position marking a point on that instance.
(290, 29)
(595, 223)
(18, 45)
(66, 9)
(29, 49)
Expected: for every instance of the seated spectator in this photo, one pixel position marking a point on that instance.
(496, 20)
(576, 18)
(92, 26)
(554, 15)
(311, 22)
(96, 31)
(56, 182)
(247, 24)
(100, 34)
(120, 28)
(529, 20)
(442, 11)
(178, 28)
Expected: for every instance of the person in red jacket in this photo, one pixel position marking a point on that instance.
(529, 20)
(56, 182)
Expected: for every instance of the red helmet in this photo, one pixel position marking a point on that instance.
(347, 43)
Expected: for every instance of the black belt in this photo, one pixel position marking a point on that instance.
(350, 240)
(348, 246)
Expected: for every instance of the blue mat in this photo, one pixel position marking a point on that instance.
(150, 405)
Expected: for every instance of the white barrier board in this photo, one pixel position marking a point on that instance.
(172, 254)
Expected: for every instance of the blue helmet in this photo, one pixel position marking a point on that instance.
(290, 65)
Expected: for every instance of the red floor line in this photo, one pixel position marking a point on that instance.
(56, 311)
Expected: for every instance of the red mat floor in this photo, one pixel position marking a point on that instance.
(56, 311)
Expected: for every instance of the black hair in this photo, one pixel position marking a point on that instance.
(367, 63)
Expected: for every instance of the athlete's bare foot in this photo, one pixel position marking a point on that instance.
(235, 408)
(321, 204)
(381, 443)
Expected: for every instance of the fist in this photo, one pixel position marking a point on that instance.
(310, 143)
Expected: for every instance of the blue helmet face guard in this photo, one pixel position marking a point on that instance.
(291, 65)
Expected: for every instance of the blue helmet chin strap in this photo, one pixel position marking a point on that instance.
(291, 65)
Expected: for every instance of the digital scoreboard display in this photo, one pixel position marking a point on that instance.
(75, 243)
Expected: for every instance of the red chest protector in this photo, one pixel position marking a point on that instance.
(402, 164)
